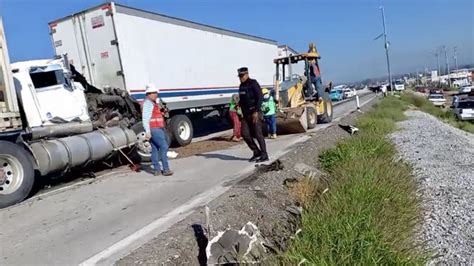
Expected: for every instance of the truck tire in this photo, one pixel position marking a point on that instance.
(181, 130)
(326, 116)
(17, 174)
(143, 145)
(312, 117)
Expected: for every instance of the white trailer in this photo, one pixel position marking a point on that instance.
(193, 65)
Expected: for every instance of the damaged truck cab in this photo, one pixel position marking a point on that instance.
(50, 124)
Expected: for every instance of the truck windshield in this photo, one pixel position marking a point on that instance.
(47, 79)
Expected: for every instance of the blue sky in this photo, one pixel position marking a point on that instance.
(342, 29)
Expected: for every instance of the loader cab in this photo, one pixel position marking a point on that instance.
(299, 106)
(48, 94)
(293, 73)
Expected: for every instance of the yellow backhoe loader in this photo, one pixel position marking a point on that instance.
(300, 105)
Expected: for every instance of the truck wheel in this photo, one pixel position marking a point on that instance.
(181, 130)
(312, 117)
(17, 174)
(143, 145)
(326, 116)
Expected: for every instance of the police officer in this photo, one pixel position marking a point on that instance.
(251, 99)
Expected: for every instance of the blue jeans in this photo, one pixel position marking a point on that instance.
(318, 84)
(271, 124)
(159, 149)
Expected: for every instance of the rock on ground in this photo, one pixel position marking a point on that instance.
(443, 157)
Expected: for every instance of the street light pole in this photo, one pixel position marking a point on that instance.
(386, 49)
(437, 60)
(455, 58)
(447, 64)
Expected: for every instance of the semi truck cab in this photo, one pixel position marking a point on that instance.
(46, 125)
(48, 93)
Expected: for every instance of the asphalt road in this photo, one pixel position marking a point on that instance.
(99, 221)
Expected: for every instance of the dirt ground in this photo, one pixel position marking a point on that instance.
(261, 198)
(214, 144)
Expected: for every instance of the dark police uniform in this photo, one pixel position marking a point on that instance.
(251, 99)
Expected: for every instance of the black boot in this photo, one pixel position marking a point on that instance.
(255, 157)
(263, 158)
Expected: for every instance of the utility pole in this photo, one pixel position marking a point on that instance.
(455, 58)
(437, 61)
(447, 64)
(386, 49)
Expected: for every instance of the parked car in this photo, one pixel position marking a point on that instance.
(464, 109)
(399, 86)
(336, 95)
(466, 89)
(348, 93)
(437, 99)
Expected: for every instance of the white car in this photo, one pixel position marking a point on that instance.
(437, 99)
(348, 93)
(466, 89)
(399, 86)
(464, 109)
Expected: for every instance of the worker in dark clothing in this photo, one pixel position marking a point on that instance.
(251, 99)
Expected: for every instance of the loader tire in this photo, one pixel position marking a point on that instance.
(326, 117)
(181, 130)
(17, 174)
(312, 117)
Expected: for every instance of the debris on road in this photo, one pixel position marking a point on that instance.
(350, 129)
(275, 166)
(172, 154)
(306, 170)
(232, 246)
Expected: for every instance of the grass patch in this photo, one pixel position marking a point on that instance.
(446, 116)
(369, 214)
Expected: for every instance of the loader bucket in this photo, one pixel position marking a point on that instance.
(292, 120)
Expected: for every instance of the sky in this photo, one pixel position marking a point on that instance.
(343, 30)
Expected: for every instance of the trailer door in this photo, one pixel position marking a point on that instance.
(89, 39)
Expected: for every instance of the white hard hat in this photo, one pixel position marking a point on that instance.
(150, 88)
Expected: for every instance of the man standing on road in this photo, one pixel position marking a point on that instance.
(154, 125)
(251, 99)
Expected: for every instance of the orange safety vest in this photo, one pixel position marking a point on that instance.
(157, 120)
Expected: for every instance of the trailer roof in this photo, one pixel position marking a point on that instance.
(173, 20)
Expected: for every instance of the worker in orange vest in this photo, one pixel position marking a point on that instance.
(154, 124)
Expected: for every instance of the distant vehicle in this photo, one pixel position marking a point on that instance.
(336, 95)
(436, 91)
(348, 93)
(466, 89)
(464, 109)
(421, 89)
(437, 99)
(399, 86)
